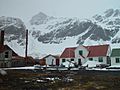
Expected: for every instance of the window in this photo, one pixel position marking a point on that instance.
(80, 52)
(100, 59)
(2, 65)
(63, 60)
(6, 54)
(91, 59)
(72, 59)
(117, 60)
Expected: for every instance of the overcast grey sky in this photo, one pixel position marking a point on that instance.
(25, 9)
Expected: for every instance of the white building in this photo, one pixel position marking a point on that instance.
(81, 54)
(51, 60)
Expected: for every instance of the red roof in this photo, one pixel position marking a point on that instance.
(68, 53)
(99, 50)
(94, 51)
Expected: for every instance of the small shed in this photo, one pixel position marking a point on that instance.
(51, 60)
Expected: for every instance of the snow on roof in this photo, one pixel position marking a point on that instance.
(91, 63)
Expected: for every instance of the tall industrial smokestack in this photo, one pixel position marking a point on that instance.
(1, 38)
(26, 49)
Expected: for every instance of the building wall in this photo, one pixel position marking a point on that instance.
(67, 59)
(2, 55)
(50, 60)
(78, 56)
(76, 61)
(97, 59)
(5, 62)
(83, 60)
(113, 61)
(109, 51)
(85, 51)
(18, 63)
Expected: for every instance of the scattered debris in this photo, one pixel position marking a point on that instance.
(2, 72)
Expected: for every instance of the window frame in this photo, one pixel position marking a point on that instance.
(63, 60)
(72, 59)
(6, 54)
(117, 60)
(100, 59)
(80, 52)
(90, 59)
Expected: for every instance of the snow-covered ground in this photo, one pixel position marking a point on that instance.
(30, 68)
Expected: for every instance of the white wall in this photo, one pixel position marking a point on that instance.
(83, 60)
(50, 59)
(85, 51)
(75, 60)
(85, 54)
(109, 51)
(113, 61)
(97, 59)
(66, 59)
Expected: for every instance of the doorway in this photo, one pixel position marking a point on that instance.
(79, 62)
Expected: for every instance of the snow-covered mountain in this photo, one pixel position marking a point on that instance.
(14, 29)
(50, 35)
(100, 27)
(14, 33)
(110, 20)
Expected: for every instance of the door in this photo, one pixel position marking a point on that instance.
(79, 62)
(108, 60)
(57, 62)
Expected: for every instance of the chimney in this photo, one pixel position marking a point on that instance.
(1, 38)
(26, 49)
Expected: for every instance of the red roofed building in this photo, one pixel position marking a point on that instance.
(100, 53)
(5, 53)
(8, 58)
(81, 54)
(5, 57)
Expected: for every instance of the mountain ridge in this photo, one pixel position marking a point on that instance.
(48, 32)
